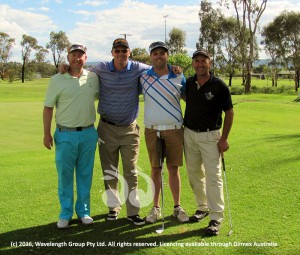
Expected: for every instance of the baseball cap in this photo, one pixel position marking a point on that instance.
(158, 45)
(201, 52)
(77, 46)
(120, 42)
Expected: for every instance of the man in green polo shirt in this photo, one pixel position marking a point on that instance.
(73, 94)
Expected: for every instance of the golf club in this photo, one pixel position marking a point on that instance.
(160, 148)
(227, 197)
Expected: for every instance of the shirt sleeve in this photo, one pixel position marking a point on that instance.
(51, 94)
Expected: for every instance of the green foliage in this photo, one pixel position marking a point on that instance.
(184, 61)
(141, 55)
(176, 41)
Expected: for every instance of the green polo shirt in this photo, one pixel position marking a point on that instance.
(73, 98)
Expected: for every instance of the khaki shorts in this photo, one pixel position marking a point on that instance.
(174, 146)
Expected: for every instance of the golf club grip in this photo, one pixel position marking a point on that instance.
(223, 164)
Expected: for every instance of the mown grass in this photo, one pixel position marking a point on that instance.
(262, 174)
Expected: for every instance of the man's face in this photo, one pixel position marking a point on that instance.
(120, 54)
(159, 57)
(201, 65)
(77, 59)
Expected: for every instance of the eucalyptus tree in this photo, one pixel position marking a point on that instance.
(272, 46)
(228, 57)
(176, 42)
(248, 14)
(210, 30)
(6, 44)
(282, 36)
(28, 44)
(58, 44)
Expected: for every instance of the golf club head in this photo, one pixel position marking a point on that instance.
(160, 230)
(230, 232)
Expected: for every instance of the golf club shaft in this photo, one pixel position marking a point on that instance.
(227, 196)
(161, 161)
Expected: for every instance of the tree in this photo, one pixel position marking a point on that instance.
(58, 44)
(282, 39)
(248, 14)
(6, 44)
(176, 41)
(184, 61)
(28, 44)
(227, 56)
(141, 55)
(210, 30)
(40, 55)
(272, 45)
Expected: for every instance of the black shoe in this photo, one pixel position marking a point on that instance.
(136, 219)
(198, 216)
(213, 228)
(112, 215)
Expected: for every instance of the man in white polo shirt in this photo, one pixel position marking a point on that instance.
(162, 92)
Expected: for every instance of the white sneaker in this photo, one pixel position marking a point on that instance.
(62, 224)
(180, 214)
(86, 220)
(154, 215)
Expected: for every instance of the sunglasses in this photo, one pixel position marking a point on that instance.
(123, 51)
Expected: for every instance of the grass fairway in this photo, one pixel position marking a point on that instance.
(262, 173)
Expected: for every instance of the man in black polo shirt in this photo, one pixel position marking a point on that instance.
(204, 143)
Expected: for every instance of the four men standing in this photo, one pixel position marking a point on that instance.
(206, 98)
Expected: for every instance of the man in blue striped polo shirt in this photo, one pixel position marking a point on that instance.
(118, 131)
(162, 92)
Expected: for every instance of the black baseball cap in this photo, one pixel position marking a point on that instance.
(120, 42)
(158, 45)
(201, 52)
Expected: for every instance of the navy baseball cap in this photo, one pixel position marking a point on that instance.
(201, 52)
(77, 46)
(158, 45)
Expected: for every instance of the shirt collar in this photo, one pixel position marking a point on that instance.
(84, 73)
(170, 75)
(113, 69)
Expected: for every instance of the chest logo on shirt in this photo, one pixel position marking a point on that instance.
(209, 96)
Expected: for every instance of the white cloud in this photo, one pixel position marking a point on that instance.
(44, 9)
(93, 3)
(33, 24)
(142, 23)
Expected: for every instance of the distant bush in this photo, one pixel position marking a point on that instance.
(239, 90)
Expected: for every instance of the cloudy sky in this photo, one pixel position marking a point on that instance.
(98, 23)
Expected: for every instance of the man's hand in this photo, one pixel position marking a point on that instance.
(177, 69)
(63, 68)
(223, 145)
(48, 141)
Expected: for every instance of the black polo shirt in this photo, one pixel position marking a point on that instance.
(204, 106)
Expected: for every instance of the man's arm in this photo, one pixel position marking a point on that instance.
(227, 124)
(47, 119)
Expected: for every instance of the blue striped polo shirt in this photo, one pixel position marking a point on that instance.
(119, 91)
(162, 98)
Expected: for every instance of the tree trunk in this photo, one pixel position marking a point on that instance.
(297, 77)
(230, 80)
(23, 71)
(248, 78)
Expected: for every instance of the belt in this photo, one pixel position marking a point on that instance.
(200, 130)
(73, 129)
(112, 123)
(164, 127)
